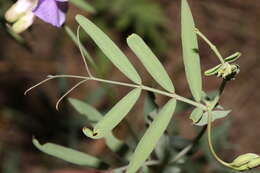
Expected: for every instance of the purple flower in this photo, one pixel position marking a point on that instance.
(52, 11)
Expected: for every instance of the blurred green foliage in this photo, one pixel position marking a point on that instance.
(144, 17)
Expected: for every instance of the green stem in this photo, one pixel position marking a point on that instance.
(209, 126)
(172, 95)
(211, 45)
(211, 145)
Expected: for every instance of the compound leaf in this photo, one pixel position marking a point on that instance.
(151, 136)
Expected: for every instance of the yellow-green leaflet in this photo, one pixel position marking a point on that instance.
(196, 115)
(215, 115)
(109, 48)
(190, 55)
(114, 116)
(151, 136)
(94, 116)
(150, 61)
(67, 154)
(113, 143)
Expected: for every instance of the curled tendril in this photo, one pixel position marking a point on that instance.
(69, 91)
(50, 77)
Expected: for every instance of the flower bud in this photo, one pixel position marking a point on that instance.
(19, 9)
(254, 163)
(244, 159)
(23, 22)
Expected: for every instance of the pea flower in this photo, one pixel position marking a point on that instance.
(52, 11)
(23, 12)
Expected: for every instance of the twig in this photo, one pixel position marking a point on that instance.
(211, 45)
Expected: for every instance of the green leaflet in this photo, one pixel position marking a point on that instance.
(151, 136)
(67, 154)
(196, 115)
(94, 116)
(109, 48)
(114, 116)
(215, 115)
(113, 143)
(83, 5)
(87, 110)
(190, 55)
(150, 61)
(162, 149)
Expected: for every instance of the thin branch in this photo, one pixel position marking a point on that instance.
(211, 45)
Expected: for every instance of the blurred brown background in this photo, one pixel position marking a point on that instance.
(232, 25)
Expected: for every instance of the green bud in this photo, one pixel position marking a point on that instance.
(244, 159)
(254, 163)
